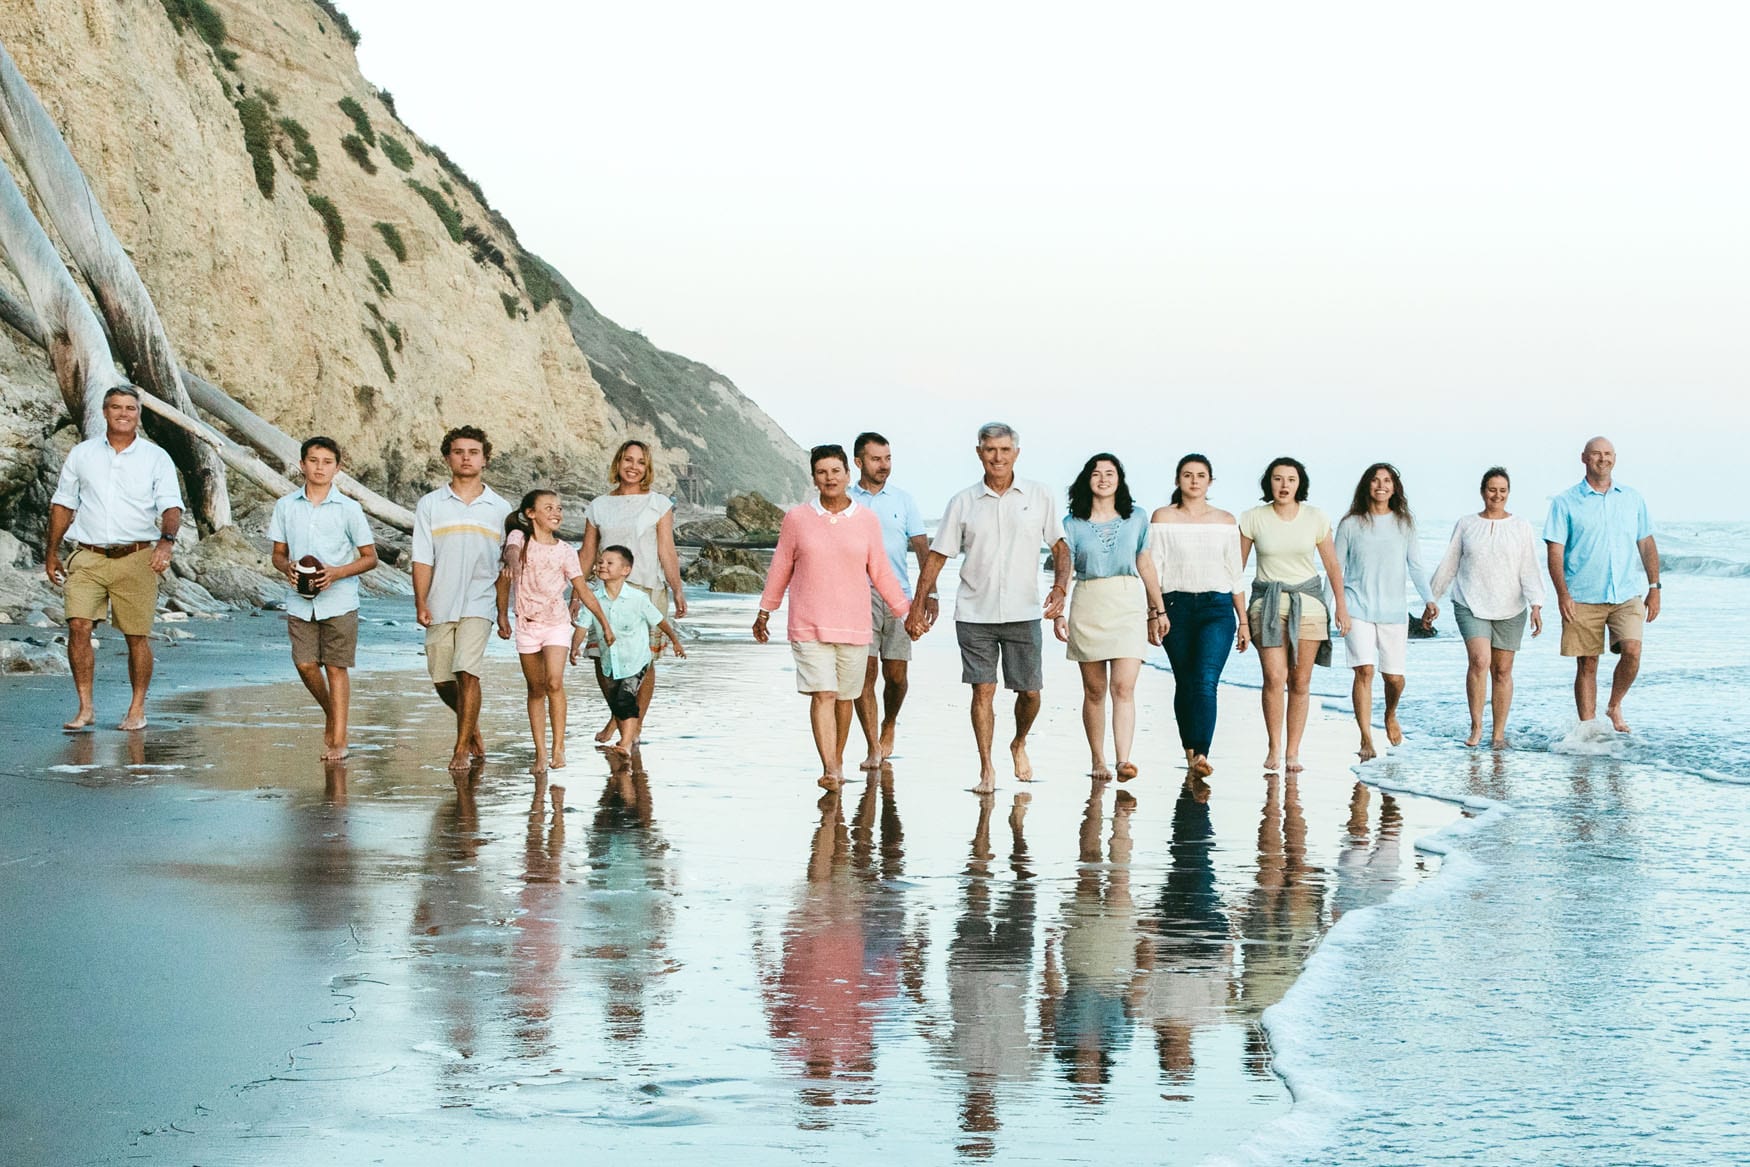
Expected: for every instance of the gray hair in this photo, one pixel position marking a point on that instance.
(122, 391)
(990, 431)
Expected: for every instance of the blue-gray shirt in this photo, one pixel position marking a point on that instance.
(1103, 550)
(1600, 536)
(332, 531)
(900, 521)
(1379, 560)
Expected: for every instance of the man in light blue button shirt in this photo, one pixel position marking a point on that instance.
(322, 544)
(1601, 556)
(902, 530)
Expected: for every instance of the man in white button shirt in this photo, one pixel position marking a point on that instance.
(458, 537)
(999, 524)
(119, 502)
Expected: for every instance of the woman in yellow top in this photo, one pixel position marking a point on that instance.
(1289, 621)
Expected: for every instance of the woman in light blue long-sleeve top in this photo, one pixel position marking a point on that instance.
(1376, 544)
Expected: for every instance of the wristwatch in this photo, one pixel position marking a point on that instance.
(1655, 586)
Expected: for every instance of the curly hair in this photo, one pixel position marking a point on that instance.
(1361, 506)
(1081, 491)
(471, 433)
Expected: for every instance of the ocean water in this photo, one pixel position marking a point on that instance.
(1571, 987)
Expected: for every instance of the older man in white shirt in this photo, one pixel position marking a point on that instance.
(999, 524)
(118, 501)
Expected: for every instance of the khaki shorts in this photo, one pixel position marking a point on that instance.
(1584, 635)
(123, 591)
(891, 641)
(332, 642)
(830, 668)
(1312, 621)
(458, 646)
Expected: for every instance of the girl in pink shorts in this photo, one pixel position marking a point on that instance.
(541, 567)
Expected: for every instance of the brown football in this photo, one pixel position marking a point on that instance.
(307, 569)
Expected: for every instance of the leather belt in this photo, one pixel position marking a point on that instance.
(115, 550)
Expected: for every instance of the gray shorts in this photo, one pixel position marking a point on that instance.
(1506, 635)
(1017, 643)
(891, 641)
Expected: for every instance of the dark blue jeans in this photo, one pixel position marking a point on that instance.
(1200, 636)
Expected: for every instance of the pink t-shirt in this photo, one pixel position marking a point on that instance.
(828, 562)
(539, 587)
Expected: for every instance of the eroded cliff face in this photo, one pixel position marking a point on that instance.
(372, 296)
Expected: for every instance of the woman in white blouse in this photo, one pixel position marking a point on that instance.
(1196, 552)
(1493, 565)
(634, 516)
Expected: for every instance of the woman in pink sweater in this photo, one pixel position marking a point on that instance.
(829, 553)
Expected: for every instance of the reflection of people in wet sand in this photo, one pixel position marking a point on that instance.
(990, 970)
(458, 533)
(118, 501)
(999, 524)
(1284, 915)
(630, 903)
(1087, 1009)
(1369, 867)
(822, 995)
(322, 544)
(626, 660)
(448, 944)
(829, 555)
(1191, 950)
(535, 980)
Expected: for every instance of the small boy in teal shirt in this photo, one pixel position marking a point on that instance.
(631, 615)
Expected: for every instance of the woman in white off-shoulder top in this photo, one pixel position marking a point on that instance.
(1494, 567)
(1196, 551)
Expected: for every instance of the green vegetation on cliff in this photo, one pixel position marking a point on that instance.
(441, 207)
(361, 121)
(297, 149)
(258, 140)
(392, 237)
(332, 223)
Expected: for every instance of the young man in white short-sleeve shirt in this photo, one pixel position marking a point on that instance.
(999, 524)
(458, 537)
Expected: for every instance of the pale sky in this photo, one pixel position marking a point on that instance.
(1445, 236)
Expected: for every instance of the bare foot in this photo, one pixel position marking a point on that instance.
(1098, 771)
(1126, 771)
(607, 731)
(138, 721)
(1200, 767)
(558, 761)
(84, 719)
(887, 732)
(1366, 753)
(1271, 765)
(476, 745)
(1394, 733)
(872, 762)
(1476, 736)
(1614, 712)
(1018, 812)
(539, 769)
(1023, 764)
(987, 781)
(460, 761)
(336, 753)
(829, 782)
(557, 794)
(1293, 765)
(1499, 743)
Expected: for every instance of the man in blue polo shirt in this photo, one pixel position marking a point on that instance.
(1602, 559)
(322, 613)
(902, 530)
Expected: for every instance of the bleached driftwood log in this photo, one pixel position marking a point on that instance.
(58, 317)
(135, 330)
(258, 432)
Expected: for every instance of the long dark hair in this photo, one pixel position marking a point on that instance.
(1081, 491)
(1361, 506)
(1179, 495)
(518, 520)
(1300, 492)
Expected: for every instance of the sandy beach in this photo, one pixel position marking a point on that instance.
(224, 952)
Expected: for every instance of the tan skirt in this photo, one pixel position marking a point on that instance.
(1108, 619)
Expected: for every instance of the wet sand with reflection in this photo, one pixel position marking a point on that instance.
(229, 953)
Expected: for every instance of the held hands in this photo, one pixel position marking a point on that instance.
(917, 623)
(1158, 627)
(1242, 636)
(1054, 601)
(1429, 615)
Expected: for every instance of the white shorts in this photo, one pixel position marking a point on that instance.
(1383, 645)
(830, 668)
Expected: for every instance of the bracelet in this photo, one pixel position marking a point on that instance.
(764, 615)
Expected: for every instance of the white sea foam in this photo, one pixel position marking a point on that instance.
(1596, 738)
